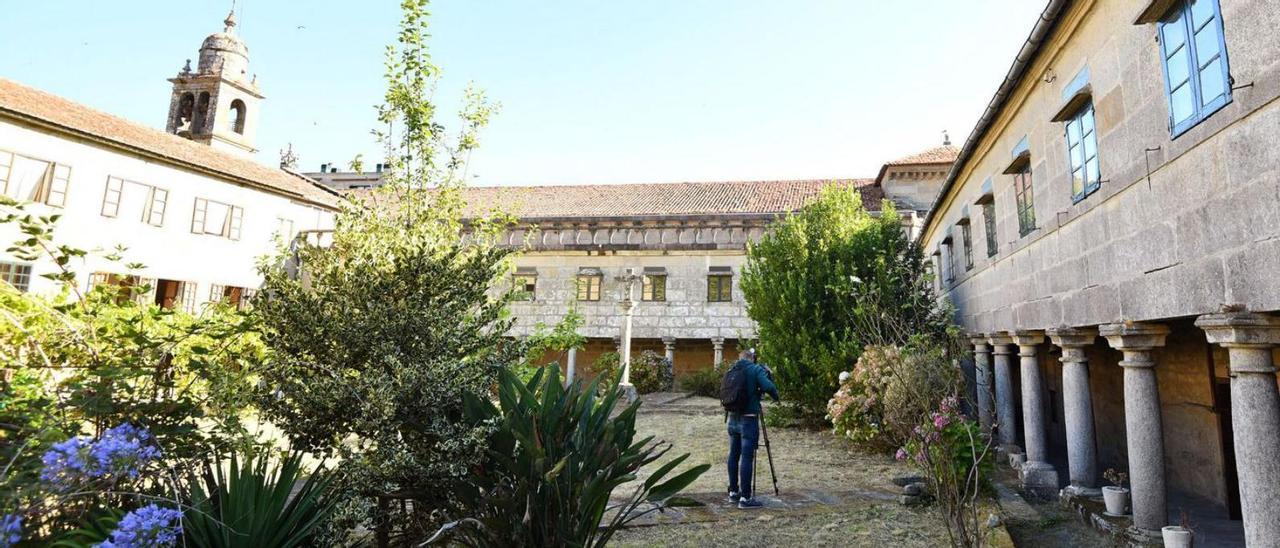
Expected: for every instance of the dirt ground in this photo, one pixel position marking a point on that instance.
(832, 494)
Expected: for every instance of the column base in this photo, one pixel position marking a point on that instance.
(628, 392)
(1039, 479)
(1082, 491)
(1016, 457)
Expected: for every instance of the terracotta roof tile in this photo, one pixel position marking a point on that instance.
(938, 155)
(656, 199)
(23, 102)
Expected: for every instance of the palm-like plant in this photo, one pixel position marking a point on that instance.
(555, 458)
(256, 501)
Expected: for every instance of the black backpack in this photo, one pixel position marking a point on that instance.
(733, 389)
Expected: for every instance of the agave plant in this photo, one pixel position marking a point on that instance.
(556, 456)
(256, 501)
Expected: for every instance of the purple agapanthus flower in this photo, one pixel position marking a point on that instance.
(123, 450)
(120, 452)
(151, 526)
(10, 530)
(68, 463)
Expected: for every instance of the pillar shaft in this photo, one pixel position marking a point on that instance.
(1143, 428)
(1038, 476)
(1077, 404)
(669, 351)
(983, 380)
(572, 367)
(627, 308)
(1255, 416)
(1006, 407)
(717, 345)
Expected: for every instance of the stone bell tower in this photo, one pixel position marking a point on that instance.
(217, 104)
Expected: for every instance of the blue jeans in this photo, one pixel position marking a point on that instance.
(744, 437)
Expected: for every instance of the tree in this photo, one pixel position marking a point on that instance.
(825, 282)
(377, 337)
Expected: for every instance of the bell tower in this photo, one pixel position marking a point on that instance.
(217, 104)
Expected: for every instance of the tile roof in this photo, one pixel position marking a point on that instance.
(33, 105)
(652, 200)
(944, 154)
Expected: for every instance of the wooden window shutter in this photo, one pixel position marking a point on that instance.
(57, 196)
(155, 211)
(233, 227)
(6, 166)
(197, 216)
(111, 198)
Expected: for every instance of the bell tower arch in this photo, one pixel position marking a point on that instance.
(217, 103)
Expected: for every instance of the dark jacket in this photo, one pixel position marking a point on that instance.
(758, 382)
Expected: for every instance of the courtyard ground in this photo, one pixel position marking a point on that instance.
(832, 494)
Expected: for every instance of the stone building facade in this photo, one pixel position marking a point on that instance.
(187, 203)
(1113, 222)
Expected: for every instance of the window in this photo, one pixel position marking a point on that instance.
(232, 295)
(170, 294)
(1196, 75)
(950, 273)
(238, 111)
(284, 228)
(968, 246)
(1082, 149)
(525, 284)
(989, 222)
(1023, 195)
(653, 287)
(31, 180)
(720, 285)
(589, 286)
(216, 218)
(16, 274)
(133, 200)
(127, 287)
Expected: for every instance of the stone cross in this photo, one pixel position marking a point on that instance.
(628, 310)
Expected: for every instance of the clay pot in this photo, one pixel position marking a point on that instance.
(1117, 500)
(1176, 536)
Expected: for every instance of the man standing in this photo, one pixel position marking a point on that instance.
(740, 395)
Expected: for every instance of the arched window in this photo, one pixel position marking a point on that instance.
(238, 111)
(202, 109)
(186, 105)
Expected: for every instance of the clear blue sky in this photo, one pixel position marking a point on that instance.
(591, 91)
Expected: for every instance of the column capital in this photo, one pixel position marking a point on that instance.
(717, 342)
(999, 339)
(1134, 336)
(1240, 329)
(1072, 337)
(669, 340)
(1027, 338)
(980, 345)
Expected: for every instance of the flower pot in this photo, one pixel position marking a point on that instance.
(1117, 500)
(1176, 536)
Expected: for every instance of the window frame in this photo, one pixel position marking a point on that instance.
(231, 226)
(721, 289)
(1024, 200)
(967, 236)
(1087, 186)
(49, 192)
(16, 274)
(1200, 111)
(653, 288)
(989, 225)
(588, 287)
(522, 289)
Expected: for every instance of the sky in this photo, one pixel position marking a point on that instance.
(591, 91)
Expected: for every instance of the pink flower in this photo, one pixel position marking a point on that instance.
(901, 454)
(940, 421)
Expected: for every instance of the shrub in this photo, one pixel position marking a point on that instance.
(704, 382)
(607, 368)
(651, 372)
(879, 404)
(830, 280)
(556, 456)
(957, 461)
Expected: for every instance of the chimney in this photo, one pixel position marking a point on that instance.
(324, 168)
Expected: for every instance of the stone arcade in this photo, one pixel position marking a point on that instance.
(1129, 247)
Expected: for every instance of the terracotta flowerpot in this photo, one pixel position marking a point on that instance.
(1176, 536)
(1117, 500)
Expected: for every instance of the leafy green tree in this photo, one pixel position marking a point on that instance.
(378, 335)
(825, 282)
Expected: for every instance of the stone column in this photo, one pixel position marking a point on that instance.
(1143, 427)
(572, 368)
(1006, 407)
(628, 306)
(982, 377)
(1255, 416)
(1077, 409)
(669, 350)
(717, 345)
(1038, 476)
